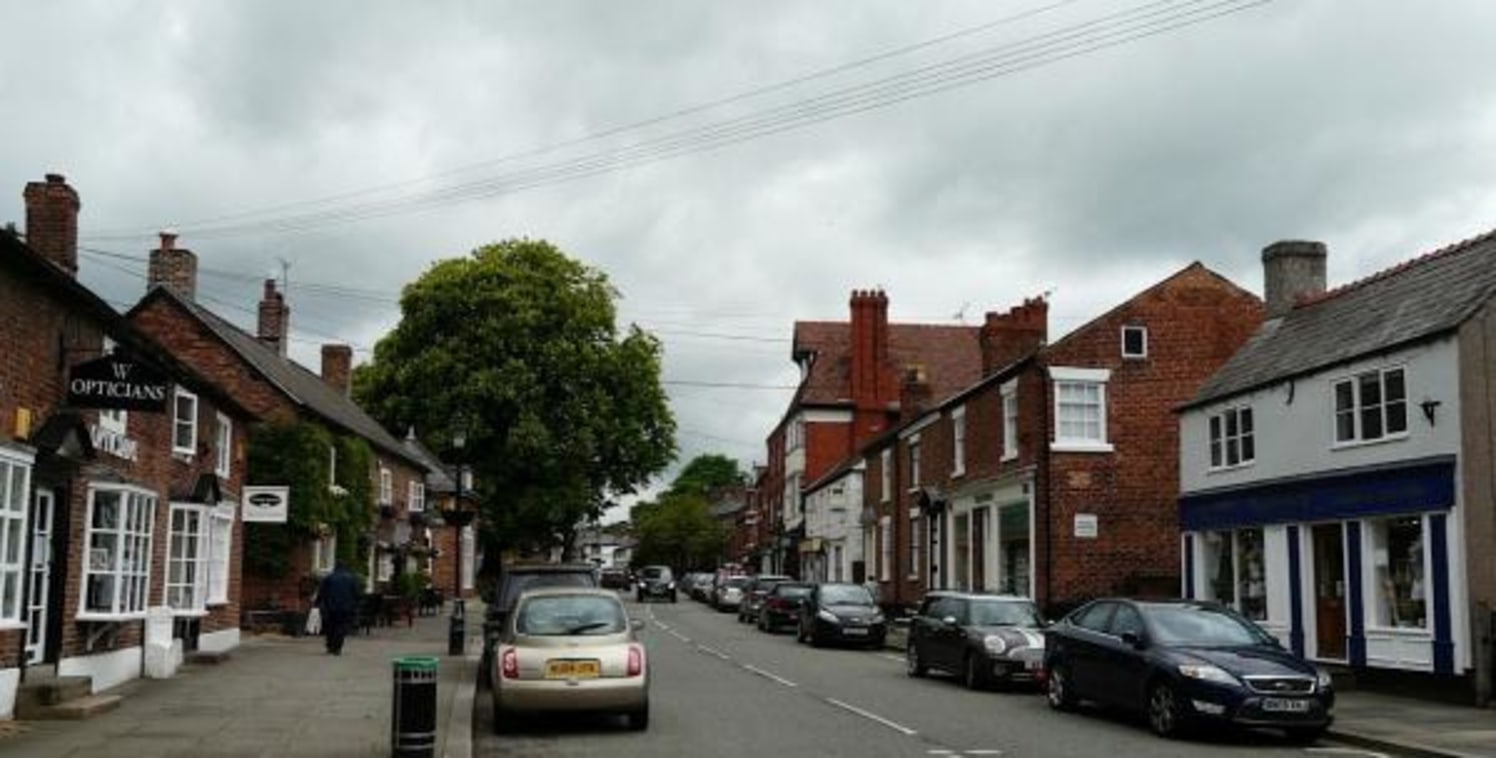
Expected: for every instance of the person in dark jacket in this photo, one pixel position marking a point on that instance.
(337, 600)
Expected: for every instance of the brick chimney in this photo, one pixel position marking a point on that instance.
(275, 319)
(1006, 337)
(52, 221)
(337, 368)
(872, 387)
(1291, 271)
(174, 268)
(915, 394)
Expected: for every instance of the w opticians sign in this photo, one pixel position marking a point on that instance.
(117, 382)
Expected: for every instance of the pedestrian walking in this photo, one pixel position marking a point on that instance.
(337, 600)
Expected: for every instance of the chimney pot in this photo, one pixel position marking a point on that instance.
(1291, 271)
(275, 319)
(173, 268)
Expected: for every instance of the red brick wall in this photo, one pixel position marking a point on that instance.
(826, 444)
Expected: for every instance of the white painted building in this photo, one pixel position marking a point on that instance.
(1331, 471)
(833, 546)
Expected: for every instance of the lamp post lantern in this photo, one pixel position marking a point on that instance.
(458, 517)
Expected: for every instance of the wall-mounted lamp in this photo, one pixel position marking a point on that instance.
(1429, 405)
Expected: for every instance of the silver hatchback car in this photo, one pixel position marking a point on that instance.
(570, 649)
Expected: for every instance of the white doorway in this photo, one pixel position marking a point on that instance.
(39, 575)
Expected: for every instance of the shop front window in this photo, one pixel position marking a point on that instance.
(1251, 575)
(1220, 570)
(1397, 550)
(117, 563)
(15, 490)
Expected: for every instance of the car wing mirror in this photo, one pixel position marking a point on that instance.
(1134, 640)
(636, 624)
(950, 622)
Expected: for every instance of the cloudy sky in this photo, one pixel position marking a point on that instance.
(734, 166)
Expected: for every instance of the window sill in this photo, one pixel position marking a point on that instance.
(183, 454)
(189, 614)
(1080, 446)
(1413, 632)
(11, 626)
(110, 617)
(1352, 444)
(1006, 458)
(1226, 469)
(958, 474)
(217, 603)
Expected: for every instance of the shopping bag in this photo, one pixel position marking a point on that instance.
(314, 622)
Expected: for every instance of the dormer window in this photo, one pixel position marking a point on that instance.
(1134, 342)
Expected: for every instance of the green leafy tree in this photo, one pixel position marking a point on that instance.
(679, 531)
(707, 474)
(516, 346)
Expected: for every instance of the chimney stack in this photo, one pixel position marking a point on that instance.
(275, 319)
(1006, 337)
(1291, 271)
(337, 369)
(869, 348)
(174, 268)
(52, 221)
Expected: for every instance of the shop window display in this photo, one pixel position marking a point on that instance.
(1397, 566)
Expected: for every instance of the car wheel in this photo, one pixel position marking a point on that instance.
(973, 675)
(1057, 689)
(1165, 716)
(639, 720)
(1305, 735)
(913, 666)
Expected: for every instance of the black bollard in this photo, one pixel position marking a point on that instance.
(413, 717)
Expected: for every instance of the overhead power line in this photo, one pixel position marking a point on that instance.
(1105, 32)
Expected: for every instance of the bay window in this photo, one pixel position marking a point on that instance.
(220, 552)
(15, 491)
(117, 565)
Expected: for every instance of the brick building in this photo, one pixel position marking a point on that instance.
(453, 558)
(1052, 476)
(106, 516)
(254, 369)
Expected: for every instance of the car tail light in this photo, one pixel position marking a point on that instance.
(509, 663)
(636, 660)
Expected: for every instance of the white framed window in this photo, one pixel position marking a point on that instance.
(184, 422)
(885, 538)
(1080, 409)
(117, 564)
(958, 441)
(386, 567)
(324, 554)
(885, 467)
(224, 448)
(1236, 571)
(1232, 439)
(1134, 342)
(15, 493)
(1009, 392)
(417, 497)
(1399, 562)
(187, 559)
(386, 486)
(914, 540)
(1371, 406)
(220, 552)
(913, 463)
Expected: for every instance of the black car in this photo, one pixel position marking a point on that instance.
(982, 638)
(1184, 663)
(782, 605)
(515, 579)
(656, 581)
(754, 594)
(841, 613)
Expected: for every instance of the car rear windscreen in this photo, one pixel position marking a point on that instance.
(569, 615)
(518, 583)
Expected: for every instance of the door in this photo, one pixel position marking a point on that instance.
(961, 544)
(39, 576)
(1329, 590)
(979, 550)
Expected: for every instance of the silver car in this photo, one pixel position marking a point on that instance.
(570, 649)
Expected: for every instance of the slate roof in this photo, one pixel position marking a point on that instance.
(439, 478)
(951, 355)
(301, 386)
(1414, 300)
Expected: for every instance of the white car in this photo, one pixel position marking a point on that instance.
(570, 649)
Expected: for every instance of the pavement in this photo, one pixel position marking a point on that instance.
(274, 696)
(1399, 725)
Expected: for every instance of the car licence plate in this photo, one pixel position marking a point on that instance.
(1283, 705)
(854, 631)
(572, 669)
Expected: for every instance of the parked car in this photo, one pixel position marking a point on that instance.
(614, 579)
(570, 649)
(1184, 663)
(514, 580)
(981, 638)
(782, 605)
(836, 612)
(729, 593)
(753, 595)
(700, 586)
(656, 581)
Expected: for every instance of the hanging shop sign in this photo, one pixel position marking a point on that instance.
(267, 505)
(117, 382)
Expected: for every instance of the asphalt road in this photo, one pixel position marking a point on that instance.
(725, 689)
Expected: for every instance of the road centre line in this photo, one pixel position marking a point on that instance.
(1346, 751)
(767, 675)
(715, 652)
(984, 751)
(872, 717)
(679, 636)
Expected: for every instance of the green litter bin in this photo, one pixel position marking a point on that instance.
(413, 717)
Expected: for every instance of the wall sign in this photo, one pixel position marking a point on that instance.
(267, 505)
(1086, 526)
(117, 382)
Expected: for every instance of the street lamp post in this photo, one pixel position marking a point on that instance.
(458, 517)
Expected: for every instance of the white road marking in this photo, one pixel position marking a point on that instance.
(873, 717)
(940, 751)
(1346, 751)
(892, 657)
(984, 751)
(679, 636)
(768, 675)
(712, 651)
